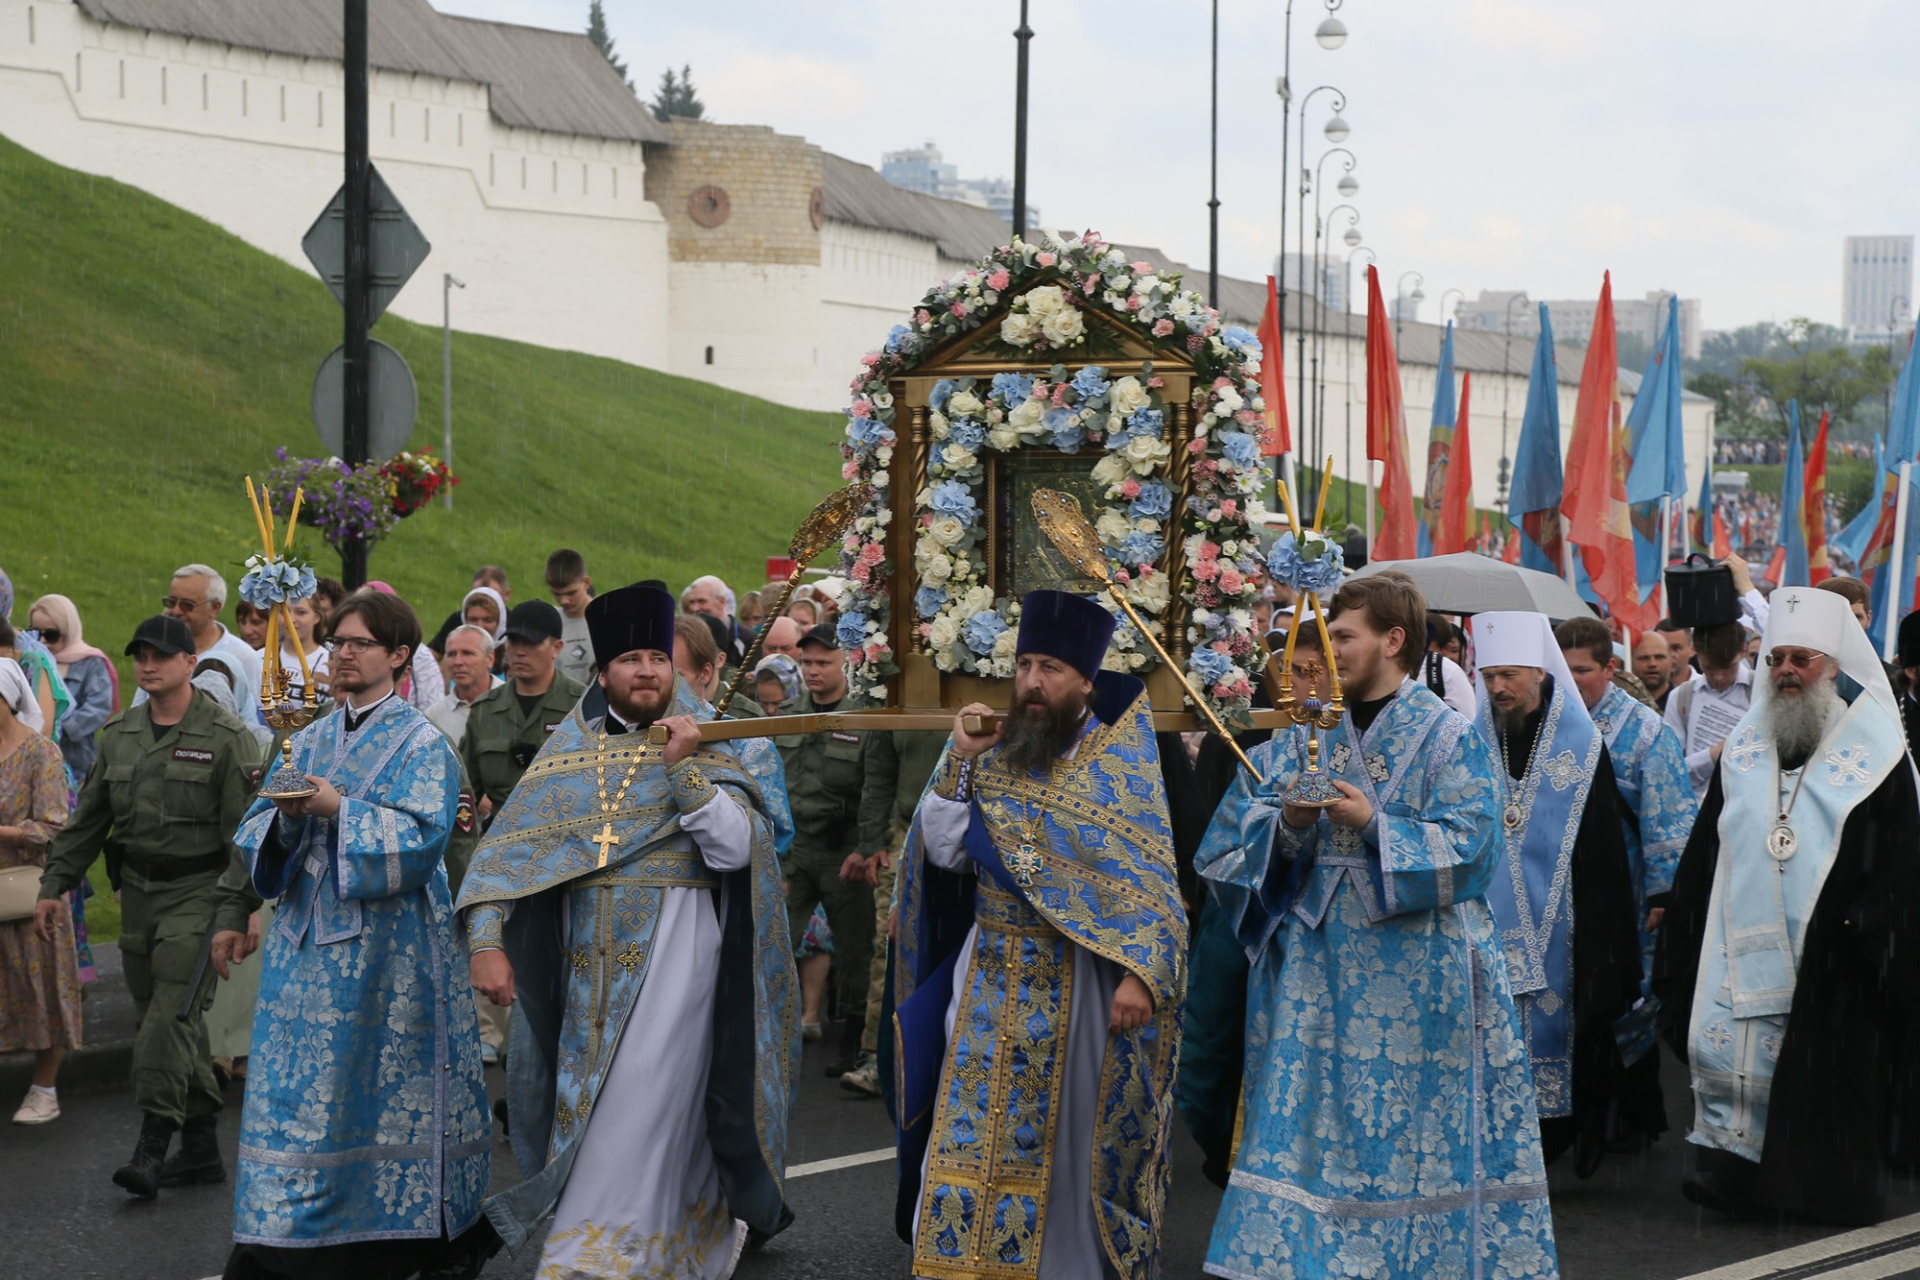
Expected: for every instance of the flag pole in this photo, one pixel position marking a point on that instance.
(1899, 593)
(1369, 510)
(1666, 550)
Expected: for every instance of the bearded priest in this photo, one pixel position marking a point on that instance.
(1388, 1114)
(628, 898)
(1562, 893)
(1790, 956)
(1040, 972)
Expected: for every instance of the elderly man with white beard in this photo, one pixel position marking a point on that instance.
(1790, 957)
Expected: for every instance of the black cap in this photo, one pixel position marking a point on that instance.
(823, 635)
(533, 620)
(638, 617)
(163, 632)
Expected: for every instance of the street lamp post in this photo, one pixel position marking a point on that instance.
(1320, 265)
(1401, 297)
(1213, 173)
(1336, 131)
(1443, 302)
(1506, 399)
(448, 283)
(1348, 369)
(1023, 34)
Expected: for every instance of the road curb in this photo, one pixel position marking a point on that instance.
(86, 1070)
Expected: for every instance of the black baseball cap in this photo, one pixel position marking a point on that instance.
(163, 632)
(532, 620)
(823, 635)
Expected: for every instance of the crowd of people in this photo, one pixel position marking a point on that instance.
(1038, 933)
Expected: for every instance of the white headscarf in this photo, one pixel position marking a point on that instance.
(499, 609)
(1522, 640)
(19, 695)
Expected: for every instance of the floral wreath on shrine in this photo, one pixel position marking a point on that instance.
(1096, 405)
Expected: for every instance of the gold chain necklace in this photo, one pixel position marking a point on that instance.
(1515, 814)
(606, 839)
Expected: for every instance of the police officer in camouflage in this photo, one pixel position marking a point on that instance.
(824, 779)
(510, 723)
(171, 782)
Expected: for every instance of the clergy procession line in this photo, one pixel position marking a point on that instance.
(1382, 1018)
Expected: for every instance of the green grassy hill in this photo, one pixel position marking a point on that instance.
(149, 360)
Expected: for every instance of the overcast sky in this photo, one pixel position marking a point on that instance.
(1721, 148)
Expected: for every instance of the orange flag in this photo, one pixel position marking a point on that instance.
(1456, 501)
(1597, 463)
(1722, 544)
(1814, 510)
(1398, 533)
(1273, 378)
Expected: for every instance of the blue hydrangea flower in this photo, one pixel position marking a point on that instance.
(866, 433)
(968, 433)
(1211, 665)
(1142, 548)
(1091, 383)
(937, 398)
(1154, 503)
(1317, 566)
(1244, 344)
(1146, 422)
(899, 337)
(852, 630)
(1239, 448)
(1196, 321)
(1065, 428)
(953, 498)
(981, 630)
(928, 601)
(1011, 388)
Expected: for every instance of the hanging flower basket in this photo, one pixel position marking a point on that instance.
(416, 478)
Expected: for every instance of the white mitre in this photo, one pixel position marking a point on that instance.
(1522, 640)
(1808, 618)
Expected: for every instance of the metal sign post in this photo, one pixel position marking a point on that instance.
(359, 262)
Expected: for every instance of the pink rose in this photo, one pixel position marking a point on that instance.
(960, 310)
(1231, 582)
(1040, 391)
(1161, 328)
(1133, 302)
(1142, 268)
(1197, 446)
(1230, 507)
(1130, 490)
(873, 553)
(1220, 691)
(870, 359)
(1156, 381)
(1120, 576)
(998, 280)
(1045, 259)
(1092, 282)
(850, 470)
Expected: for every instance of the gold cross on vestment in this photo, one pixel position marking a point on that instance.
(606, 840)
(629, 958)
(1024, 863)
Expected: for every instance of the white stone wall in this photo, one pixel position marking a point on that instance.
(870, 281)
(551, 232)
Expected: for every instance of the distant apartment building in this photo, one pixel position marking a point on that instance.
(1642, 318)
(1332, 289)
(923, 169)
(1876, 289)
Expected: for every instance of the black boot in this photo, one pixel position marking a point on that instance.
(854, 1027)
(199, 1158)
(141, 1175)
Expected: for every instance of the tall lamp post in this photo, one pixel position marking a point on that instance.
(1318, 290)
(1320, 322)
(1023, 34)
(1336, 131)
(1330, 35)
(448, 283)
(1348, 379)
(1506, 399)
(1443, 302)
(1400, 299)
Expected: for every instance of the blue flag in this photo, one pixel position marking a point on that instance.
(1903, 445)
(1852, 541)
(1439, 445)
(1793, 500)
(1658, 450)
(1538, 475)
(1703, 513)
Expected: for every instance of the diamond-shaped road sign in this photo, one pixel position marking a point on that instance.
(398, 248)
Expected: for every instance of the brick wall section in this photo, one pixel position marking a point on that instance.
(769, 179)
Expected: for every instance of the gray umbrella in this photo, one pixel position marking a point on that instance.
(1470, 583)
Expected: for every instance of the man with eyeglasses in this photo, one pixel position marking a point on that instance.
(196, 596)
(1790, 953)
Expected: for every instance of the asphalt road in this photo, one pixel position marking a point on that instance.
(61, 1219)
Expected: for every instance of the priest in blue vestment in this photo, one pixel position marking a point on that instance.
(1790, 956)
(1656, 816)
(364, 1138)
(1562, 893)
(1388, 1124)
(628, 901)
(1041, 966)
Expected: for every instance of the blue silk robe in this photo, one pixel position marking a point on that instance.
(1651, 775)
(1389, 1125)
(365, 1115)
(1079, 857)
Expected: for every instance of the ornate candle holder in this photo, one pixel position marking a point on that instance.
(1311, 563)
(274, 583)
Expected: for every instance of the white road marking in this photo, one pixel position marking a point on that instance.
(840, 1162)
(1802, 1255)
(1903, 1263)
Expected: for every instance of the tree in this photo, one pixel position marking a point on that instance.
(676, 96)
(1737, 418)
(597, 33)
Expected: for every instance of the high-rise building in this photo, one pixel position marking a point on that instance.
(1332, 292)
(1876, 285)
(923, 169)
(1644, 318)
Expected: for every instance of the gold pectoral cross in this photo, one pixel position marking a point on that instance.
(606, 840)
(1024, 863)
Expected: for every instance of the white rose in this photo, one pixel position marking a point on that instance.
(978, 599)
(963, 404)
(880, 480)
(1063, 326)
(1128, 396)
(1005, 643)
(958, 457)
(1146, 455)
(1003, 438)
(1135, 661)
(947, 530)
(1019, 329)
(1045, 300)
(1113, 525)
(1002, 667)
(1120, 281)
(882, 399)
(1027, 416)
(1146, 283)
(937, 425)
(883, 455)
(1150, 593)
(927, 545)
(1111, 469)
(1229, 403)
(945, 630)
(936, 569)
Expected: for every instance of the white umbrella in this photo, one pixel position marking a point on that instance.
(1470, 583)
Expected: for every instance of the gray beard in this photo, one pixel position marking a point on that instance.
(1798, 724)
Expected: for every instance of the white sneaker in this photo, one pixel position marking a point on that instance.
(39, 1108)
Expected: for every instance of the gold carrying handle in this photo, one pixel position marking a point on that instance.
(881, 718)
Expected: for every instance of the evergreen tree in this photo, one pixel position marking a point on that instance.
(597, 33)
(676, 96)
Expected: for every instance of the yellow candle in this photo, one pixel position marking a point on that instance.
(293, 517)
(1326, 642)
(253, 500)
(1320, 509)
(300, 649)
(266, 508)
(270, 673)
(1286, 500)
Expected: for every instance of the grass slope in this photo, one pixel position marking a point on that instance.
(149, 360)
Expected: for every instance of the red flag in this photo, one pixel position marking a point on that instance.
(1273, 378)
(1598, 459)
(1456, 500)
(1813, 512)
(1777, 567)
(1397, 536)
(1511, 552)
(1722, 544)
